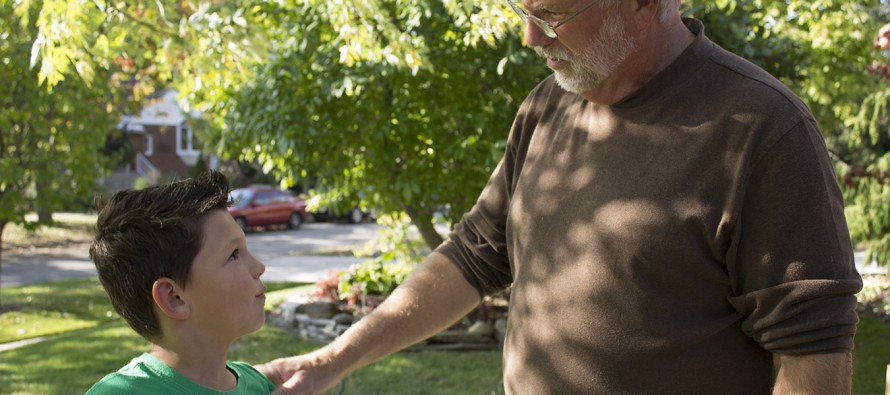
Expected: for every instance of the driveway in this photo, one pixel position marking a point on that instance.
(286, 253)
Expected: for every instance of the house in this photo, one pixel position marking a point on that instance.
(165, 147)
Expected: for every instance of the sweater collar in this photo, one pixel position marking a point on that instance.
(685, 66)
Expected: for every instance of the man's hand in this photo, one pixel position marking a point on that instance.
(433, 297)
(300, 375)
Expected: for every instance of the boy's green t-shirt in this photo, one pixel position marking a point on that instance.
(146, 374)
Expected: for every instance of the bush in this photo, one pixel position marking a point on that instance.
(364, 285)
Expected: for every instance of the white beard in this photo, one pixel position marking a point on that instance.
(597, 61)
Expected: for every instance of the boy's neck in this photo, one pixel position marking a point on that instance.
(201, 363)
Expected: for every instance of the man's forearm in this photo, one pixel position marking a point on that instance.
(828, 374)
(433, 297)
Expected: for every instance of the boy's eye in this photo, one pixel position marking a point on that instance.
(235, 255)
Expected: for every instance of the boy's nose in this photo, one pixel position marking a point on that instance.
(258, 268)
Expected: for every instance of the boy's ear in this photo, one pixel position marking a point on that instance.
(165, 293)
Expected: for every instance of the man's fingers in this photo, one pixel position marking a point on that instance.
(290, 387)
(269, 371)
(279, 391)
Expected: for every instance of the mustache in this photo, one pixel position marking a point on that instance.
(553, 53)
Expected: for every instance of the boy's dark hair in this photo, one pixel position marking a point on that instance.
(148, 234)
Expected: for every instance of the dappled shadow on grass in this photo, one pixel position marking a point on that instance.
(55, 307)
(73, 362)
(430, 372)
(871, 355)
(68, 363)
(83, 297)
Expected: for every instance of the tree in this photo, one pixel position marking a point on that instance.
(48, 141)
(822, 49)
(328, 72)
(868, 183)
(71, 69)
(204, 49)
(414, 138)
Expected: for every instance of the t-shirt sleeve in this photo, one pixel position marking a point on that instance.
(113, 383)
(791, 260)
(255, 382)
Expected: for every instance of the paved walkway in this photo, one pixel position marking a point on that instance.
(868, 268)
(65, 263)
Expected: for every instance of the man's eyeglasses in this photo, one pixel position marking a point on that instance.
(548, 29)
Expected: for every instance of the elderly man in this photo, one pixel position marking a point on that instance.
(665, 213)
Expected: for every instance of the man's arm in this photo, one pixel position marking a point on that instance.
(432, 298)
(828, 374)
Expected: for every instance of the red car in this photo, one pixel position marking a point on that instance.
(264, 206)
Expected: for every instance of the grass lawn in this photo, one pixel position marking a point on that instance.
(871, 356)
(89, 342)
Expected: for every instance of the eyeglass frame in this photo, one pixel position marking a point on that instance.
(546, 27)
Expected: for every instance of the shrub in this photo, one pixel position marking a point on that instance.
(364, 285)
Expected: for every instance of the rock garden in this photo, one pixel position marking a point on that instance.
(344, 298)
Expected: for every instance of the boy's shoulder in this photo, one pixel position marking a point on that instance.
(146, 374)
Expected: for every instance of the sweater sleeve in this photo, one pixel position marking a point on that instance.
(478, 244)
(791, 262)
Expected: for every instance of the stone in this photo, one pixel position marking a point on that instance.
(500, 329)
(343, 319)
(287, 310)
(480, 328)
(319, 309)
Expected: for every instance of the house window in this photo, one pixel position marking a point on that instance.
(149, 145)
(186, 141)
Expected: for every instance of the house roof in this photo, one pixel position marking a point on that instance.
(164, 110)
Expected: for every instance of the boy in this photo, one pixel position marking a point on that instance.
(177, 269)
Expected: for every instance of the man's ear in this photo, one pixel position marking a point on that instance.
(646, 11)
(165, 293)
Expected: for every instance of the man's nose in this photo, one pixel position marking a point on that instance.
(534, 36)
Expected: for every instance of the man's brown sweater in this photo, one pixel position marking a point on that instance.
(669, 243)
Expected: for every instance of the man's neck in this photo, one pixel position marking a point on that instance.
(200, 362)
(655, 51)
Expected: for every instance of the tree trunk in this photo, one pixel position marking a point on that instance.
(3, 223)
(44, 215)
(424, 223)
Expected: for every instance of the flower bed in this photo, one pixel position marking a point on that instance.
(874, 299)
(344, 298)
